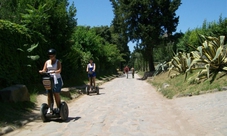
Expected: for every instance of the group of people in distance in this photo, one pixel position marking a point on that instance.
(126, 70)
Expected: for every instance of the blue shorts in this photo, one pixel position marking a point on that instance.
(92, 75)
(57, 87)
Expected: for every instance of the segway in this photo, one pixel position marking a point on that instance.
(93, 89)
(63, 112)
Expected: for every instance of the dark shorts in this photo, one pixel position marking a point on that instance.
(92, 75)
(57, 87)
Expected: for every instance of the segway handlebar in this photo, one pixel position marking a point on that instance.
(46, 73)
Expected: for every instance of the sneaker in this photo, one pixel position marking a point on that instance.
(49, 111)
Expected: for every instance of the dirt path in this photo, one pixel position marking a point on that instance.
(130, 107)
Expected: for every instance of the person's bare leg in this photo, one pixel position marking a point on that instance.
(90, 81)
(57, 99)
(49, 99)
(93, 78)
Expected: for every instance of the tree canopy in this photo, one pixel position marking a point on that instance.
(145, 22)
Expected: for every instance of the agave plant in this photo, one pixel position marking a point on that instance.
(211, 55)
(180, 63)
(161, 67)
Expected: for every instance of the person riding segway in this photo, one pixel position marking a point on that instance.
(53, 83)
(91, 76)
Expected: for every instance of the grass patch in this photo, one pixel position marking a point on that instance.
(65, 98)
(180, 87)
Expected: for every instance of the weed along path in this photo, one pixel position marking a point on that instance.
(131, 107)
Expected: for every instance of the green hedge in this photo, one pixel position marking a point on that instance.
(15, 39)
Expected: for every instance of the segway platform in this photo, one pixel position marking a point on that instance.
(93, 90)
(63, 112)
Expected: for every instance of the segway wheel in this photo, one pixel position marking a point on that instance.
(43, 112)
(87, 90)
(97, 90)
(64, 111)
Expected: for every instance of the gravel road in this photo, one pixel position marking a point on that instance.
(131, 107)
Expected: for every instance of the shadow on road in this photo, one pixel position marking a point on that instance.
(70, 119)
(140, 79)
(73, 119)
(95, 94)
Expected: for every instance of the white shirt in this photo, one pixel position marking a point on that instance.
(52, 68)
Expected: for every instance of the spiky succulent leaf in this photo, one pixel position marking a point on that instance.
(218, 53)
(222, 40)
(212, 54)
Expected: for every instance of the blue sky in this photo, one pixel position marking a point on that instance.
(192, 13)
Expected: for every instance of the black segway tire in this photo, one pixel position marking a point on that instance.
(97, 90)
(87, 90)
(43, 111)
(64, 111)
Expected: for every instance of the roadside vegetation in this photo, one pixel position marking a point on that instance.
(199, 66)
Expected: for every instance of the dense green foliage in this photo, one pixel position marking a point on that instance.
(111, 35)
(17, 53)
(28, 28)
(87, 44)
(47, 24)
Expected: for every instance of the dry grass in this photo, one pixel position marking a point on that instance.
(180, 87)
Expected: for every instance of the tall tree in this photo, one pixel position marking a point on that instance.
(146, 21)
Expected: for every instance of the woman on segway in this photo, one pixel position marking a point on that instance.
(91, 73)
(53, 66)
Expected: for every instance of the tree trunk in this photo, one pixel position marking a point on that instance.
(144, 65)
(151, 60)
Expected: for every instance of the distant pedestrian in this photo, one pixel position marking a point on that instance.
(126, 69)
(133, 71)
